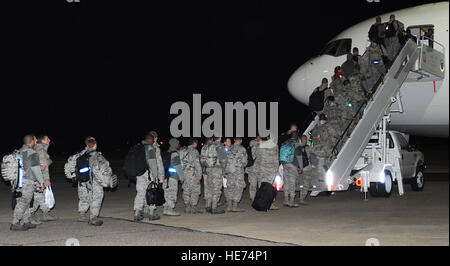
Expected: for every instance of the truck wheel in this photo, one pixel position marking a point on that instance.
(382, 189)
(418, 182)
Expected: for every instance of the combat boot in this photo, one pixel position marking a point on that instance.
(286, 201)
(29, 225)
(18, 227)
(229, 206)
(83, 218)
(292, 204)
(95, 221)
(217, 211)
(154, 217)
(171, 212)
(188, 209)
(34, 220)
(273, 207)
(236, 208)
(47, 217)
(138, 216)
(195, 210)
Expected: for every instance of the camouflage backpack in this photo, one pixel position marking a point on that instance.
(10, 166)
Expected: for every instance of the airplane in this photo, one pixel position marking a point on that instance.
(425, 101)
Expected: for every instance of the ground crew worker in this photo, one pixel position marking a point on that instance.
(192, 176)
(32, 174)
(236, 162)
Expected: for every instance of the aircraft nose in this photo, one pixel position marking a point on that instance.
(298, 83)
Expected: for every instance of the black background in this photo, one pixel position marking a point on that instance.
(112, 69)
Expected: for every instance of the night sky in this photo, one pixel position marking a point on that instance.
(112, 69)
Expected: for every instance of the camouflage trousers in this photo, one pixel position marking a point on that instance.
(90, 195)
(392, 47)
(191, 188)
(235, 187)
(22, 210)
(39, 202)
(290, 175)
(205, 188)
(305, 181)
(140, 202)
(254, 183)
(170, 186)
(214, 184)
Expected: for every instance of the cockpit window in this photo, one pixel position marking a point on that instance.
(338, 47)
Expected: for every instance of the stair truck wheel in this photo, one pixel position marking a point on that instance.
(418, 181)
(382, 189)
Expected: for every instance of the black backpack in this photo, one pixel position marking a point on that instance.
(167, 160)
(82, 168)
(250, 159)
(264, 197)
(135, 163)
(317, 99)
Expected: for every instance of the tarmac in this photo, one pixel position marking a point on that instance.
(343, 219)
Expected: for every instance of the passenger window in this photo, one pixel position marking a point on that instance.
(338, 47)
(402, 142)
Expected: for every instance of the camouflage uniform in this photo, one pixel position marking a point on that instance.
(393, 45)
(236, 162)
(203, 164)
(216, 163)
(319, 154)
(356, 95)
(372, 63)
(156, 170)
(32, 174)
(290, 176)
(39, 196)
(302, 154)
(170, 184)
(269, 161)
(253, 176)
(192, 171)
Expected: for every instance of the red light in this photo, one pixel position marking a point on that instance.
(358, 182)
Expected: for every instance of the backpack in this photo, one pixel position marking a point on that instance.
(10, 166)
(390, 30)
(317, 99)
(135, 163)
(82, 168)
(211, 156)
(304, 157)
(103, 172)
(167, 161)
(264, 197)
(250, 159)
(287, 152)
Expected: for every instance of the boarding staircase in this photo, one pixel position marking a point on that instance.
(412, 62)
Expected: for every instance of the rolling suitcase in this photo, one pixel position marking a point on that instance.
(264, 197)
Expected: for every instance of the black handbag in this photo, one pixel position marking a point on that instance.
(155, 194)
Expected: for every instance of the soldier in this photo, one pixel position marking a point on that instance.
(203, 164)
(236, 162)
(347, 66)
(372, 65)
(269, 162)
(290, 171)
(377, 32)
(223, 200)
(393, 30)
(335, 122)
(355, 55)
(216, 161)
(90, 192)
(254, 179)
(319, 154)
(43, 142)
(154, 174)
(170, 184)
(192, 175)
(32, 175)
(304, 167)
